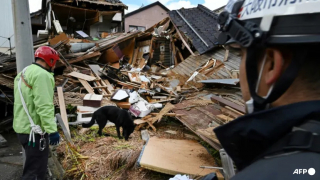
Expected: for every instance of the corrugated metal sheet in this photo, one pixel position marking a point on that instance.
(6, 23)
(192, 63)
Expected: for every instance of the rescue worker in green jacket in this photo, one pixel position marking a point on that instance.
(34, 120)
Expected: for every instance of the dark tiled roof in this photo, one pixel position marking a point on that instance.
(203, 21)
(147, 7)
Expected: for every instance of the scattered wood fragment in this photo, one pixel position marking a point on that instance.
(225, 118)
(82, 76)
(224, 102)
(226, 55)
(87, 86)
(235, 111)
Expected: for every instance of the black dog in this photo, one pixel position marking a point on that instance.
(119, 117)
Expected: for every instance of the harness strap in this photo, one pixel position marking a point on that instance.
(24, 81)
(34, 128)
(298, 140)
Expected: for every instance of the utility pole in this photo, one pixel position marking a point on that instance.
(22, 33)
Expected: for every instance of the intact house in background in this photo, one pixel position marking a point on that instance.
(145, 17)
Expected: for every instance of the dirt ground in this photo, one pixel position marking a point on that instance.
(95, 157)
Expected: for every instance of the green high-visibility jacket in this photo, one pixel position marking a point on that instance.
(39, 101)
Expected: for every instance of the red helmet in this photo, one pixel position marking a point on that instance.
(48, 54)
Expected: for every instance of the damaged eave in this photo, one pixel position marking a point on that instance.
(106, 3)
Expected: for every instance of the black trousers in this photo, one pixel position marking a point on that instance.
(35, 167)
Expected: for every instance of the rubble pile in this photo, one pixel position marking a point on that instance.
(165, 71)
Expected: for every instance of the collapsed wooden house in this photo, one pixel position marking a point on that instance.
(174, 68)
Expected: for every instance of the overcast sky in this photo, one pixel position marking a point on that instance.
(171, 4)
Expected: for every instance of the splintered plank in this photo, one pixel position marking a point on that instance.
(173, 47)
(109, 86)
(82, 76)
(87, 86)
(96, 70)
(63, 110)
(180, 55)
(228, 103)
(182, 39)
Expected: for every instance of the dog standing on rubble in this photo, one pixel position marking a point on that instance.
(119, 117)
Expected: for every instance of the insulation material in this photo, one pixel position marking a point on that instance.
(134, 97)
(120, 95)
(141, 107)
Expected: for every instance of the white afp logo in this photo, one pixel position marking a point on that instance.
(310, 171)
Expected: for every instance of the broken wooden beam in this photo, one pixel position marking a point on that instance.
(81, 58)
(225, 102)
(82, 76)
(180, 55)
(182, 39)
(87, 86)
(63, 110)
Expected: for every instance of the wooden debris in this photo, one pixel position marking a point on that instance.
(185, 158)
(228, 103)
(87, 86)
(182, 39)
(81, 58)
(167, 108)
(82, 76)
(63, 108)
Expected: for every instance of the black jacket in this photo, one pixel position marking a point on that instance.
(275, 144)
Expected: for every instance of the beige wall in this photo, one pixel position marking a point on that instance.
(146, 18)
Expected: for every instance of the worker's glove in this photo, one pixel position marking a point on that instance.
(54, 138)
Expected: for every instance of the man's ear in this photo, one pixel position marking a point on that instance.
(273, 66)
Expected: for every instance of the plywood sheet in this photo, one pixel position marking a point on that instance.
(82, 76)
(128, 50)
(173, 157)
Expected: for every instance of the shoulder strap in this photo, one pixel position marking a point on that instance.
(24, 81)
(298, 140)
